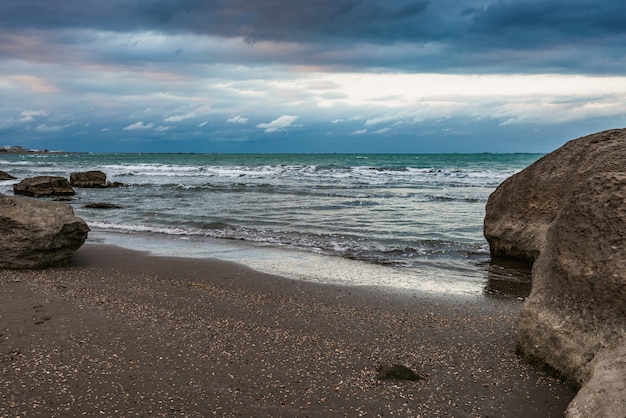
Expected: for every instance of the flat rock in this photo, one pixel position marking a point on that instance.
(36, 234)
(574, 320)
(44, 186)
(522, 208)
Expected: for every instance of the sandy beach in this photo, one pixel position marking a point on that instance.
(121, 333)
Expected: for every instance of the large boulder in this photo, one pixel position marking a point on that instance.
(37, 234)
(94, 179)
(522, 208)
(44, 186)
(574, 320)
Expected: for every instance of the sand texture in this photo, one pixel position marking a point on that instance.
(120, 333)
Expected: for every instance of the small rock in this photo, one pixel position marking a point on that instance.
(102, 205)
(6, 176)
(397, 372)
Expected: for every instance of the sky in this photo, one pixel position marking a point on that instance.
(398, 76)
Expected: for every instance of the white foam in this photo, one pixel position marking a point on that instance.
(305, 265)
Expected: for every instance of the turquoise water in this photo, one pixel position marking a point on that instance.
(405, 221)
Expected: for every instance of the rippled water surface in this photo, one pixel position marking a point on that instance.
(396, 220)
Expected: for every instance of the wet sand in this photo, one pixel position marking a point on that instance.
(120, 333)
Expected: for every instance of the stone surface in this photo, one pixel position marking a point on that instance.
(92, 179)
(37, 234)
(522, 208)
(43, 186)
(6, 176)
(574, 320)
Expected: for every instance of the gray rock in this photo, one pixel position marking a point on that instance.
(6, 176)
(522, 208)
(37, 234)
(574, 320)
(44, 186)
(93, 179)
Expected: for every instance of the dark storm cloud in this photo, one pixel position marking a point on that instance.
(572, 18)
(41, 14)
(443, 35)
(530, 24)
(252, 19)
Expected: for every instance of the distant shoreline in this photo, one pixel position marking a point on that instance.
(20, 150)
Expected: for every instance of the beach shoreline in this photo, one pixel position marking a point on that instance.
(119, 332)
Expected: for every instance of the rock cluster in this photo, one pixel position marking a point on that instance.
(41, 186)
(520, 211)
(38, 234)
(43, 234)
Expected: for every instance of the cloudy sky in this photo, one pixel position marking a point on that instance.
(310, 76)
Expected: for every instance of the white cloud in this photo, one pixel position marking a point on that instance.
(177, 118)
(389, 117)
(283, 122)
(353, 118)
(162, 128)
(382, 131)
(561, 110)
(29, 115)
(237, 119)
(46, 128)
(360, 132)
(139, 125)
(202, 110)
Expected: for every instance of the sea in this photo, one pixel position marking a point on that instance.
(401, 222)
